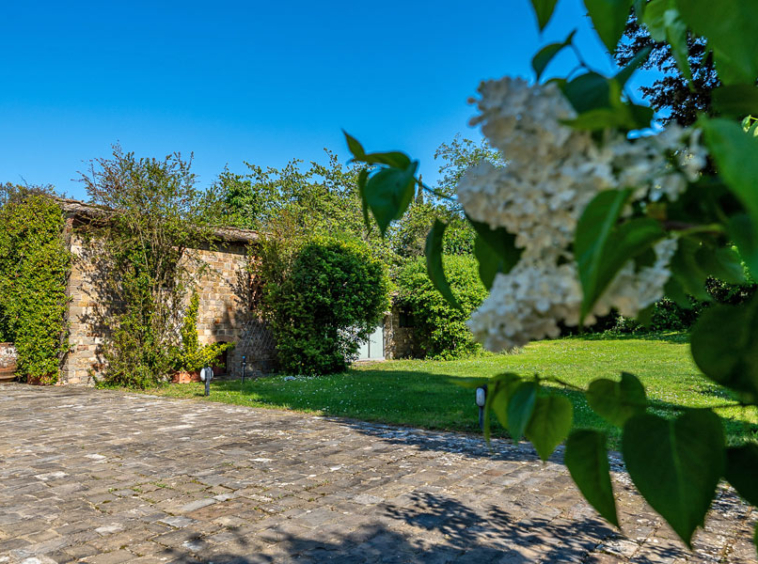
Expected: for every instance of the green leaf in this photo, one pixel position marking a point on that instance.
(587, 460)
(495, 250)
(498, 391)
(736, 155)
(489, 263)
(731, 28)
(549, 424)
(544, 10)
(673, 290)
(434, 262)
(664, 23)
(654, 18)
(354, 145)
(593, 232)
(724, 345)
(609, 19)
(676, 35)
(587, 92)
(624, 116)
(543, 57)
(394, 159)
(389, 192)
(602, 248)
(741, 469)
(676, 465)
(617, 402)
(503, 387)
(645, 317)
(470, 383)
(737, 100)
(723, 263)
(520, 408)
(744, 235)
(688, 271)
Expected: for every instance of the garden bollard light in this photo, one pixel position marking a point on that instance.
(206, 375)
(481, 401)
(243, 369)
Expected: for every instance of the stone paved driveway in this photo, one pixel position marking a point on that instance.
(106, 477)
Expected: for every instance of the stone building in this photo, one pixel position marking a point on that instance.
(226, 312)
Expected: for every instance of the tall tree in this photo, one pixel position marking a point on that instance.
(677, 101)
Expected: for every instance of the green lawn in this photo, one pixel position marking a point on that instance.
(418, 393)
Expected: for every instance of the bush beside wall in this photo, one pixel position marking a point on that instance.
(34, 268)
(320, 299)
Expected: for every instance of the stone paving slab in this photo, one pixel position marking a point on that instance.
(106, 477)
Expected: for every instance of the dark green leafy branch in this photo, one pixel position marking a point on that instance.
(676, 461)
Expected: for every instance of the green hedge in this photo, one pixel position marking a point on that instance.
(668, 316)
(34, 268)
(331, 294)
(439, 330)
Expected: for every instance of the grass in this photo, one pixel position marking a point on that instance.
(418, 393)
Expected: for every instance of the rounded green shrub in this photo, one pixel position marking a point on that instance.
(332, 294)
(439, 330)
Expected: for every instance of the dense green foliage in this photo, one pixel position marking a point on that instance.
(324, 200)
(439, 330)
(676, 464)
(421, 393)
(667, 315)
(152, 215)
(300, 201)
(191, 356)
(34, 268)
(320, 299)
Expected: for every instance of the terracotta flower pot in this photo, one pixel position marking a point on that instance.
(185, 377)
(8, 358)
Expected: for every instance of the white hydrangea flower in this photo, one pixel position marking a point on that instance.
(527, 304)
(532, 300)
(553, 172)
(632, 291)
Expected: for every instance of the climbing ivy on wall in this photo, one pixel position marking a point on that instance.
(153, 217)
(34, 267)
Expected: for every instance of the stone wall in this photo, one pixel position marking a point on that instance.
(398, 341)
(225, 313)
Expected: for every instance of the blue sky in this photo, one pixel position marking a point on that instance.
(262, 82)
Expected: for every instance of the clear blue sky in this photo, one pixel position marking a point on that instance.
(262, 82)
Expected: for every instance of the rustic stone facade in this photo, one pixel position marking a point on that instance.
(398, 340)
(226, 310)
(225, 314)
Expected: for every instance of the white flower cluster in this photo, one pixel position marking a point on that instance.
(553, 172)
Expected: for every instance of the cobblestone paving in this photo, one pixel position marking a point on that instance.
(107, 477)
